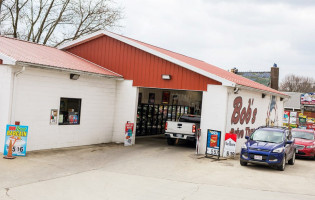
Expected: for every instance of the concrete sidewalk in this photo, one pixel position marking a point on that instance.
(149, 170)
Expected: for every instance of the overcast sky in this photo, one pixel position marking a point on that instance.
(250, 35)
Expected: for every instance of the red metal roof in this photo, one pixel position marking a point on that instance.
(240, 80)
(28, 52)
(200, 67)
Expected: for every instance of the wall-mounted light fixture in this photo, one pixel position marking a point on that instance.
(236, 89)
(74, 76)
(166, 77)
(281, 99)
(263, 95)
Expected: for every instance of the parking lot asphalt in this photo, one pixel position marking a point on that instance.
(149, 170)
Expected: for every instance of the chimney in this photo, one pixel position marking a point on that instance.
(234, 70)
(274, 77)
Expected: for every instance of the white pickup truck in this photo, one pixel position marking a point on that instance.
(185, 129)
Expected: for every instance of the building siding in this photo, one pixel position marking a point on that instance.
(38, 91)
(125, 109)
(143, 68)
(5, 100)
(219, 113)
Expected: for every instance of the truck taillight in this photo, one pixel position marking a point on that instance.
(194, 128)
(165, 125)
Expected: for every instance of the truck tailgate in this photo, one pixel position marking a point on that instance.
(179, 127)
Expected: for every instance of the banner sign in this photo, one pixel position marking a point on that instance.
(128, 133)
(286, 117)
(229, 145)
(308, 99)
(213, 142)
(18, 136)
(311, 126)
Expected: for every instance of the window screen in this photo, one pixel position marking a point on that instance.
(70, 110)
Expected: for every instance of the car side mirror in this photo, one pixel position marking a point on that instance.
(289, 142)
(246, 137)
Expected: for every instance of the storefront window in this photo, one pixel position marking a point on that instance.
(70, 110)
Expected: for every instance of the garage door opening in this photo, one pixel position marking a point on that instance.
(156, 106)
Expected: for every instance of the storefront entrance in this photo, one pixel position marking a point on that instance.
(156, 106)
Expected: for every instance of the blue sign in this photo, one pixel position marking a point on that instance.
(213, 142)
(17, 135)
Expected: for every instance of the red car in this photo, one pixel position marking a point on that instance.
(304, 142)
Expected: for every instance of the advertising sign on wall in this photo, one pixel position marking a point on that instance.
(53, 116)
(128, 133)
(18, 137)
(308, 99)
(286, 117)
(293, 117)
(229, 145)
(213, 142)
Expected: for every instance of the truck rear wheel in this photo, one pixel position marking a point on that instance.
(170, 141)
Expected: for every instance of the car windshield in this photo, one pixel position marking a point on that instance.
(303, 135)
(267, 136)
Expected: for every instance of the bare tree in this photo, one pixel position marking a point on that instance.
(1, 1)
(53, 22)
(2, 13)
(293, 83)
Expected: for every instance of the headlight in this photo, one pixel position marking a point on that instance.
(244, 146)
(309, 147)
(278, 150)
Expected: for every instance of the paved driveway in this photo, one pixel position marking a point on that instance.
(149, 170)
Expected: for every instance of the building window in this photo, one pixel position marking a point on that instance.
(70, 110)
(165, 97)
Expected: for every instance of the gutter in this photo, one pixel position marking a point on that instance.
(40, 66)
(262, 91)
(12, 112)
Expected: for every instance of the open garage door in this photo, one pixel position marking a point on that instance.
(156, 106)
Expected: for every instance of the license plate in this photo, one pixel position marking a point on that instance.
(256, 157)
(179, 135)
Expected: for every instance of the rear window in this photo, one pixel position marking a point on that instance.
(303, 135)
(190, 118)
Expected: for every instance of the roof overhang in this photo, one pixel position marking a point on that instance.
(148, 50)
(7, 60)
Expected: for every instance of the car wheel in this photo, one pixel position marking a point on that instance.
(243, 163)
(170, 141)
(292, 160)
(281, 167)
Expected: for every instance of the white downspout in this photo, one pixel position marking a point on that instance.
(13, 94)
